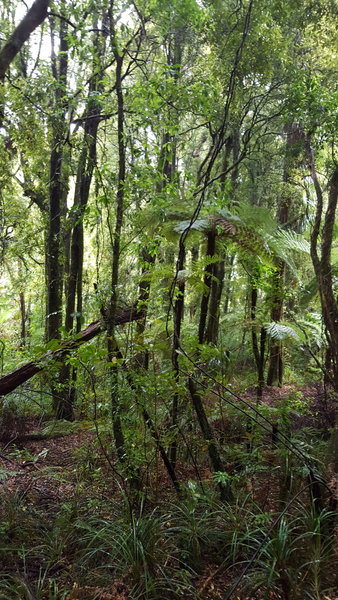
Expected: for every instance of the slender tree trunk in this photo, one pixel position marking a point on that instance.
(229, 265)
(211, 334)
(322, 260)
(215, 459)
(23, 316)
(292, 151)
(168, 162)
(112, 310)
(325, 277)
(232, 146)
(276, 350)
(177, 319)
(33, 18)
(197, 403)
(166, 168)
(53, 257)
(193, 304)
(322, 233)
(207, 280)
(74, 237)
(57, 188)
(258, 346)
(148, 261)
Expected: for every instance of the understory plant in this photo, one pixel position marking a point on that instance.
(134, 546)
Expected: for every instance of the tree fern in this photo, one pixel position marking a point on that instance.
(255, 232)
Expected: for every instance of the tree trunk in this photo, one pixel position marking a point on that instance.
(322, 260)
(275, 372)
(207, 280)
(323, 270)
(215, 459)
(87, 161)
(112, 309)
(257, 346)
(23, 316)
(57, 185)
(292, 151)
(34, 17)
(211, 334)
(229, 264)
(177, 321)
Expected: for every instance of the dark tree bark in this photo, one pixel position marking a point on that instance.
(58, 186)
(54, 302)
(34, 17)
(177, 322)
(56, 189)
(166, 461)
(275, 371)
(229, 265)
(23, 318)
(86, 164)
(258, 346)
(211, 334)
(166, 168)
(148, 261)
(207, 280)
(231, 147)
(169, 168)
(321, 247)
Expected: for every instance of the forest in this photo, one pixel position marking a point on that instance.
(168, 299)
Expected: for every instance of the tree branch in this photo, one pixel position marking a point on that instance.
(34, 17)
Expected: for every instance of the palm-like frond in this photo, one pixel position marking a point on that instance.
(254, 231)
(290, 240)
(279, 332)
(198, 225)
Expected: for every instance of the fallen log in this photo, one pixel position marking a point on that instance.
(10, 382)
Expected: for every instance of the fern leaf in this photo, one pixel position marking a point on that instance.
(291, 240)
(198, 225)
(280, 332)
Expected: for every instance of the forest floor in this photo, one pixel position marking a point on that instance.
(44, 472)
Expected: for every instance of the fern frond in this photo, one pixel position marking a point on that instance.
(290, 240)
(258, 218)
(308, 292)
(198, 225)
(280, 332)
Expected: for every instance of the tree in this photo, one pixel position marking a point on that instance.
(176, 177)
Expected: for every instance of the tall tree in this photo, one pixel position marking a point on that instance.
(293, 148)
(58, 187)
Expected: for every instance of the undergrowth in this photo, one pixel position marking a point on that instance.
(102, 539)
(160, 551)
